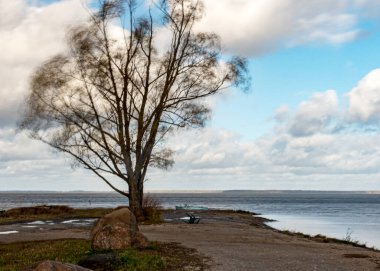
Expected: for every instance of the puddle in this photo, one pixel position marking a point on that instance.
(8, 232)
(38, 222)
(79, 221)
(73, 221)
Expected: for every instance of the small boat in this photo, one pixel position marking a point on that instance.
(190, 207)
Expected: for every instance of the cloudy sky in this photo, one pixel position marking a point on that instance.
(310, 121)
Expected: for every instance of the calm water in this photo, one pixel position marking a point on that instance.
(335, 214)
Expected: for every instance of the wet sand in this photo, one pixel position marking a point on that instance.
(231, 241)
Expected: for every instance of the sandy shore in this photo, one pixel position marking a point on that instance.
(241, 242)
(231, 241)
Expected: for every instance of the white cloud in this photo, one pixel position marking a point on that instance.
(326, 28)
(314, 115)
(328, 154)
(28, 36)
(19, 147)
(27, 164)
(364, 99)
(303, 151)
(256, 27)
(369, 7)
(276, 161)
(281, 113)
(10, 11)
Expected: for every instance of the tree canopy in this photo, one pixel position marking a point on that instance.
(114, 96)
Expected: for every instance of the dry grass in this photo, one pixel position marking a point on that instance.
(48, 212)
(324, 239)
(152, 210)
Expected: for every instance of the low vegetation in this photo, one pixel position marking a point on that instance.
(324, 239)
(152, 210)
(157, 257)
(16, 256)
(49, 212)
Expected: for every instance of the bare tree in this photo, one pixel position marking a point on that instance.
(110, 102)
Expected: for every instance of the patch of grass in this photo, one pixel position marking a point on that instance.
(49, 212)
(16, 256)
(140, 261)
(157, 257)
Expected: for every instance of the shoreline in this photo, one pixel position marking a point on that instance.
(236, 240)
(259, 220)
(325, 239)
(325, 230)
(298, 211)
(232, 240)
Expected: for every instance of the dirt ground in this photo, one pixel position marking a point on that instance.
(241, 242)
(232, 241)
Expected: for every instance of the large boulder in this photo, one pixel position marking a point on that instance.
(117, 230)
(56, 266)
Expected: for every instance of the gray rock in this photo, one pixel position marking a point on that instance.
(117, 230)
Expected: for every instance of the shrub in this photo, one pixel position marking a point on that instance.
(151, 209)
(39, 210)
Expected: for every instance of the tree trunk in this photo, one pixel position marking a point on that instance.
(135, 202)
(141, 193)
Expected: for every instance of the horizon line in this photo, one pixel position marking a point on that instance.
(190, 191)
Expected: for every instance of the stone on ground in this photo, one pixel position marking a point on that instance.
(117, 230)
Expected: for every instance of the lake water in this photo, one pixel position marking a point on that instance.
(335, 214)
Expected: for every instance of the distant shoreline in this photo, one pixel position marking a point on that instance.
(202, 191)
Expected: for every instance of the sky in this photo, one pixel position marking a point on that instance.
(311, 120)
